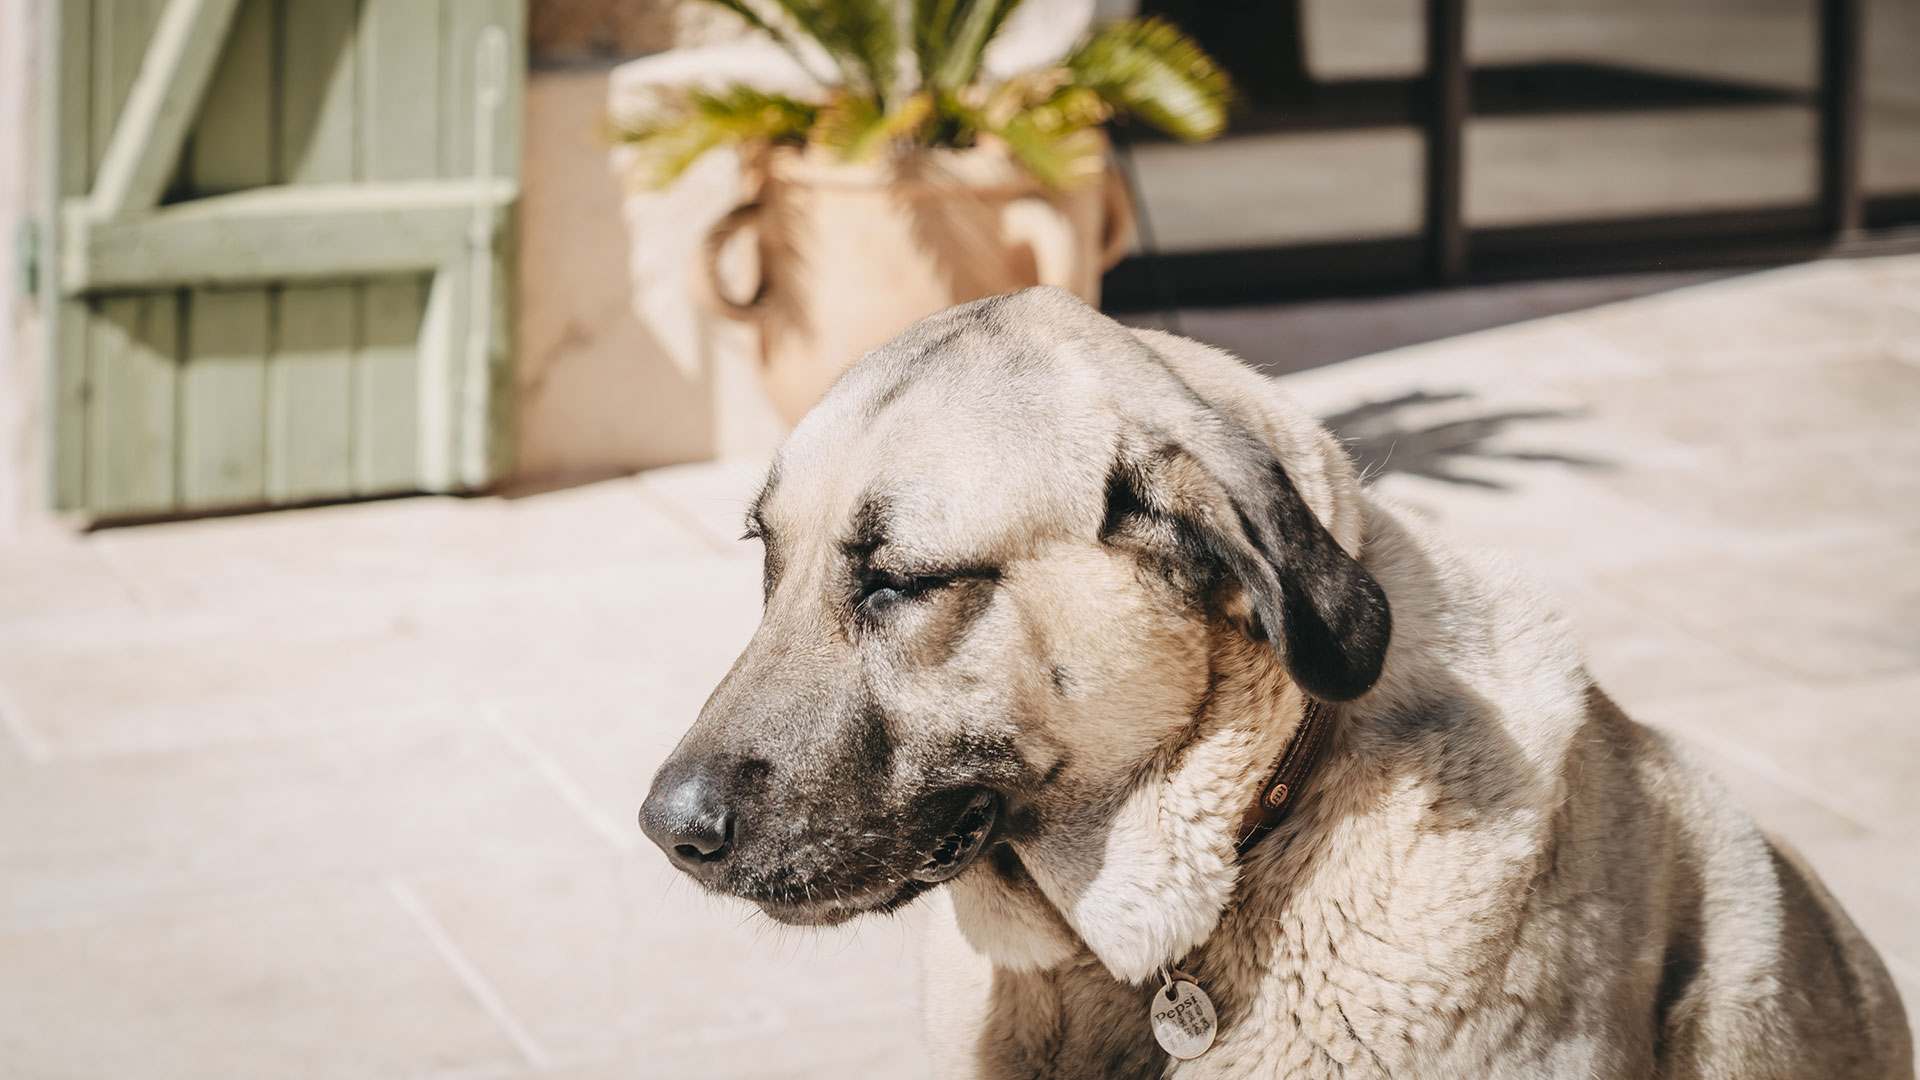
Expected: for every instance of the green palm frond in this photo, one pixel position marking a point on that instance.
(1045, 122)
(1060, 160)
(860, 35)
(759, 22)
(855, 128)
(1148, 68)
(1048, 118)
(676, 134)
(754, 19)
(931, 28)
(957, 51)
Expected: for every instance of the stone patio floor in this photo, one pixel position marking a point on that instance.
(349, 792)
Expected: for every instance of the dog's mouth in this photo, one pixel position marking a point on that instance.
(963, 843)
(971, 834)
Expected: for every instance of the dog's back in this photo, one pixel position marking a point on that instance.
(1763, 973)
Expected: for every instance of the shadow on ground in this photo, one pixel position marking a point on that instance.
(1391, 436)
(1279, 339)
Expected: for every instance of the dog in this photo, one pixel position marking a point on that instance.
(1215, 764)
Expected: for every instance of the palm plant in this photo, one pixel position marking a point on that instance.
(1047, 118)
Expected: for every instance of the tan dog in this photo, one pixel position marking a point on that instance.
(1046, 598)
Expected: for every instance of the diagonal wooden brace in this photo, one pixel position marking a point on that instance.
(160, 108)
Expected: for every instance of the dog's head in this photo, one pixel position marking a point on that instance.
(998, 559)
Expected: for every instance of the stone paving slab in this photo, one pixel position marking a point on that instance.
(1792, 489)
(44, 579)
(1823, 612)
(329, 983)
(350, 792)
(405, 545)
(1854, 742)
(613, 960)
(1641, 654)
(124, 832)
(144, 679)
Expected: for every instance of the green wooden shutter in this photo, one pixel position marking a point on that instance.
(284, 249)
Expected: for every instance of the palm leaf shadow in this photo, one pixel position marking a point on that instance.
(1385, 437)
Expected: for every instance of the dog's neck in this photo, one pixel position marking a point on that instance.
(1151, 882)
(1288, 778)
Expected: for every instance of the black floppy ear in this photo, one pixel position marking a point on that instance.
(1229, 508)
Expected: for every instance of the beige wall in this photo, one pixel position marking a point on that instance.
(597, 392)
(617, 371)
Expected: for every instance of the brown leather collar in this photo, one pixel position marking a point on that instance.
(1289, 773)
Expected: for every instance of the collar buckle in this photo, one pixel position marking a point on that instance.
(1302, 753)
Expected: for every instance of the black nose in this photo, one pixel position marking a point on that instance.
(690, 820)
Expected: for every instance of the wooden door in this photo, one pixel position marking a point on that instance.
(283, 249)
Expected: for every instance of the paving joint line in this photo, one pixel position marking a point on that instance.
(26, 738)
(1767, 769)
(570, 790)
(681, 516)
(115, 560)
(469, 974)
(1719, 638)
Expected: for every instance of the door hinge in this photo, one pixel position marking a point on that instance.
(26, 249)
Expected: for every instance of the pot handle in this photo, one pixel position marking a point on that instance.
(1037, 223)
(1119, 220)
(706, 272)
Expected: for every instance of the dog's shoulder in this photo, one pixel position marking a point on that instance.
(1475, 633)
(1617, 870)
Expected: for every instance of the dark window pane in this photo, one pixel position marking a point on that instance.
(1365, 39)
(1324, 144)
(1893, 97)
(1594, 109)
(1260, 190)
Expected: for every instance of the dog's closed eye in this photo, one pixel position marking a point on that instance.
(883, 588)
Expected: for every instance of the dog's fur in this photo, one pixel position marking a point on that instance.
(1091, 570)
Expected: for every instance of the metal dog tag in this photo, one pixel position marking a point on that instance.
(1182, 1017)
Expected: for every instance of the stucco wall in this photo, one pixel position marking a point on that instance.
(617, 369)
(597, 392)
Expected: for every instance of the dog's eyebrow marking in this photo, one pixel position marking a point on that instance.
(756, 520)
(771, 563)
(870, 527)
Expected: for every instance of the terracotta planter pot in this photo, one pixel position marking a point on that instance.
(850, 255)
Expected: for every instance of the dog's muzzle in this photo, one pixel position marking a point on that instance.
(722, 836)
